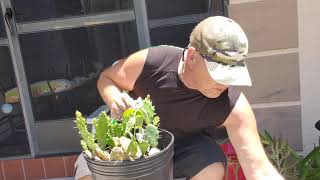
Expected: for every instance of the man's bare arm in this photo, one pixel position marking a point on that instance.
(243, 134)
(122, 75)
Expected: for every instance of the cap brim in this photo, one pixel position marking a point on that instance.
(229, 75)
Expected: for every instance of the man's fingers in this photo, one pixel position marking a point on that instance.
(116, 115)
(115, 111)
(121, 104)
(127, 100)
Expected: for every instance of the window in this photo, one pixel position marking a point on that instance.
(35, 10)
(63, 66)
(2, 28)
(177, 35)
(159, 9)
(64, 45)
(171, 21)
(13, 137)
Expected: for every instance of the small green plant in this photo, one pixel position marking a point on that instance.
(287, 161)
(309, 167)
(281, 155)
(135, 135)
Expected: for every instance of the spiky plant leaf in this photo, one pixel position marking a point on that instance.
(156, 121)
(152, 135)
(102, 126)
(87, 137)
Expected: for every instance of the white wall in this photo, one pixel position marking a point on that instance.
(309, 59)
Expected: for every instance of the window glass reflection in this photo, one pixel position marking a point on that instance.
(2, 28)
(172, 35)
(13, 136)
(63, 66)
(35, 10)
(169, 8)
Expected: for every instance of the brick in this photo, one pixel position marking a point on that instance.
(1, 171)
(54, 167)
(69, 162)
(34, 169)
(13, 170)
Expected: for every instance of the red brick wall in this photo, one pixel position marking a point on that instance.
(39, 168)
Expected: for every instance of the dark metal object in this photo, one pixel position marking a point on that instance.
(317, 125)
(8, 16)
(225, 8)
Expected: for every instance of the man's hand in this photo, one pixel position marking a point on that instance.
(266, 173)
(86, 178)
(120, 104)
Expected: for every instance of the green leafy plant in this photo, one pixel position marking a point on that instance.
(309, 167)
(281, 155)
(135, 135)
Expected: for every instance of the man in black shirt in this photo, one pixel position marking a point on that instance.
(193, 90)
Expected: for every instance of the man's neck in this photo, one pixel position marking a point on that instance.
(183, 76)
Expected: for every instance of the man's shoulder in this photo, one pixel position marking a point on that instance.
(164, 51)
(242, 108)
(167, 48)
(163, 58)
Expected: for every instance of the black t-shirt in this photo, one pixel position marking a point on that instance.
(182, 111)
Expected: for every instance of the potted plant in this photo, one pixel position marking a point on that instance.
(130, 148)
(288, 162)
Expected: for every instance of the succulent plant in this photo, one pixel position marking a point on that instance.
(135, 135)
(281, 155)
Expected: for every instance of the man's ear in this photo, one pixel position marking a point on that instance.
(190, 57)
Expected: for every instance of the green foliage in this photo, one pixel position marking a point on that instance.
(129, 138)
(152, 135)
(144, 147)
(133, 149)
(147, 110)
(310, 166)
(84, 145)
(287, 161)
(88, 142)
(156, 121)
(106, 130)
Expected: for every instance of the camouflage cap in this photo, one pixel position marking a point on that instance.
(224, 45)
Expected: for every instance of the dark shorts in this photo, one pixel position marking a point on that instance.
(194, 153)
